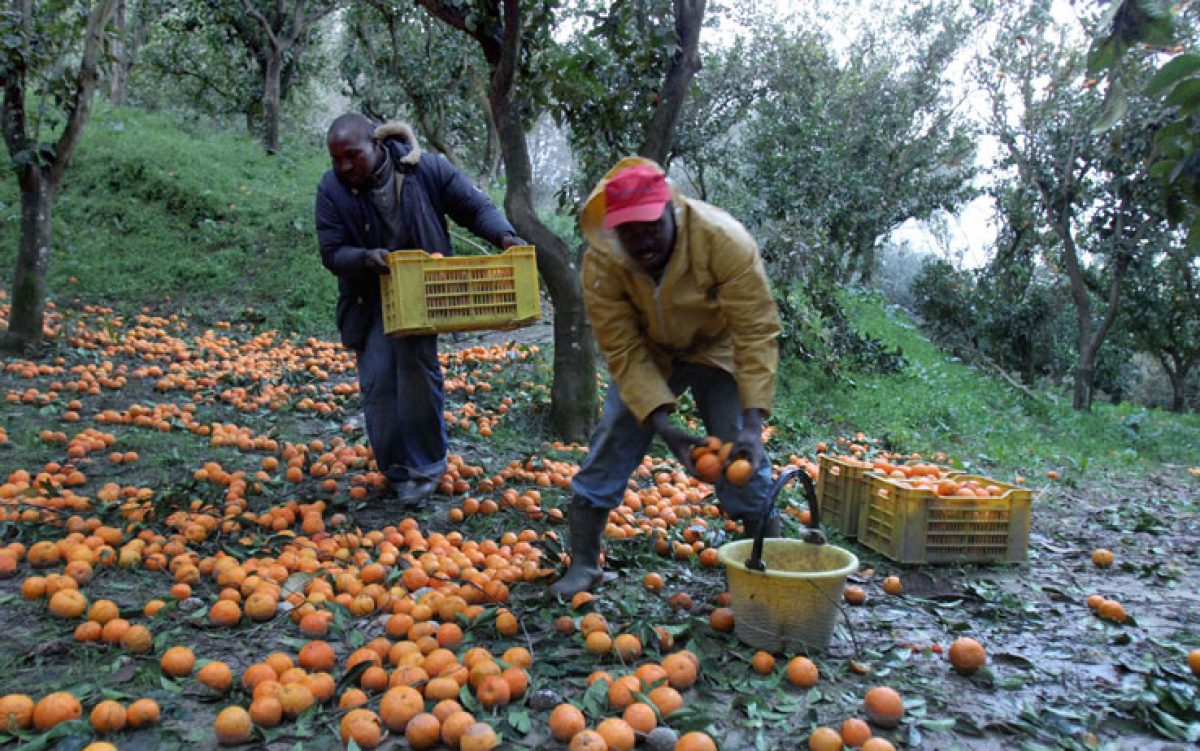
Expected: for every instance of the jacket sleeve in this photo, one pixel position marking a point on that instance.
(744, 295)
(467, 205)
(338, 256)
(614, 322)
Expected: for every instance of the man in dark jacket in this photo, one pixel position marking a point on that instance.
(385, 194)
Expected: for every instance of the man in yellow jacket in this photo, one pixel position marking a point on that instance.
(678, 299)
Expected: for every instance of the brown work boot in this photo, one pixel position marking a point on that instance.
(585, 528)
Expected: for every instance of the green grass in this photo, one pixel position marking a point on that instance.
(938, 403)
(153, 207)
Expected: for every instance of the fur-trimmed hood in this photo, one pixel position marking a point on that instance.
(395, 130)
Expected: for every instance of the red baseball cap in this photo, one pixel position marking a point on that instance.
(635, 194)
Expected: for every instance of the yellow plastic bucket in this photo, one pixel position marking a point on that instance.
(793, 605)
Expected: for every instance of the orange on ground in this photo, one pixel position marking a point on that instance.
(423, 731)
(233, 726)
(802, 672)
(617, 734)
(695, 741)
(825, 739)
(855, 732)
(967, 655)
(884, 707)
(763, 662)
(565, 722)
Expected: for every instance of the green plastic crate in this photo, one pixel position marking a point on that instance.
(427, 295)
(911, 525)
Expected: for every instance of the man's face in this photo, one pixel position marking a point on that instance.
(354, 159)
(649, 244)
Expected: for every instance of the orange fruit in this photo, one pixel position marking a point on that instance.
(682, 669)
(738, 472)
(54, 708)
(617, 734)
(478, 737)
(854, 595)
(233, 726)
(598, 643)
(399, 705)
(1194, 661)
(295, 698)
(108, 716)
(666, 699)
(640, 717)
(628, 647)
(177, 661)
(878, 744)
(891, 585)
(1094, 601)
(721, 619)
(16, 711)
(653, 582)
(763, 663)
(588, 740)
(565, 722)
(142, 713)
(266, 711)
(216, 675)
(884, 707)
(825, 739)
(967, 655)
(695, 741)
(423, 731)
(1111, 610)
(68, 603)
(454, 725)
(493, 691)
(802, 672)
(855, 732)
(316, 655)
(362, 725)
(1102, 558)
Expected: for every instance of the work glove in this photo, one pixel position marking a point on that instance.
(748, 443)
(509, 241)
(377, 261)
(678, 440)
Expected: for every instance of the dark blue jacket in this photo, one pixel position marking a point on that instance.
(348, 225)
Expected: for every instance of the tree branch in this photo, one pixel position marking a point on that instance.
(262, 21)
(86, 81)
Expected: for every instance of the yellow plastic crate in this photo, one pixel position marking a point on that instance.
(918, 526)
(426, 295)
(841, 490)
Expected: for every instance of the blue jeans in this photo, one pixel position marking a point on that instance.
(620, 442)
(402, 396)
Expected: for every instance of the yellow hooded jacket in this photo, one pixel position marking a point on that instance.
(713, 305)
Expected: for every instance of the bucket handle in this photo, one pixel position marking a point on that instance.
(814, 534)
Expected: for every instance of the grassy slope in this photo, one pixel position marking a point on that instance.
(153, 207)
(940, 404)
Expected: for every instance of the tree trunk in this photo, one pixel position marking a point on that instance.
(33, 259)
(1177, 372)
(660, 135)
(573, 392)
(271, 73)
(119, 52)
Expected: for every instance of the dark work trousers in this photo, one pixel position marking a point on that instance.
(402, 397)
(620, 441)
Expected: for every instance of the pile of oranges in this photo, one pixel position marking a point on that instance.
(711, 460)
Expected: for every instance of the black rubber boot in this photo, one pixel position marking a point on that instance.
(774, 528)
(585, 526)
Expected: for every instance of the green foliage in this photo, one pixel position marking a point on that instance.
(444, 97)
(606, 80)
(843, 150)
(939, 403)
(153, 208)
(1151, 27)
